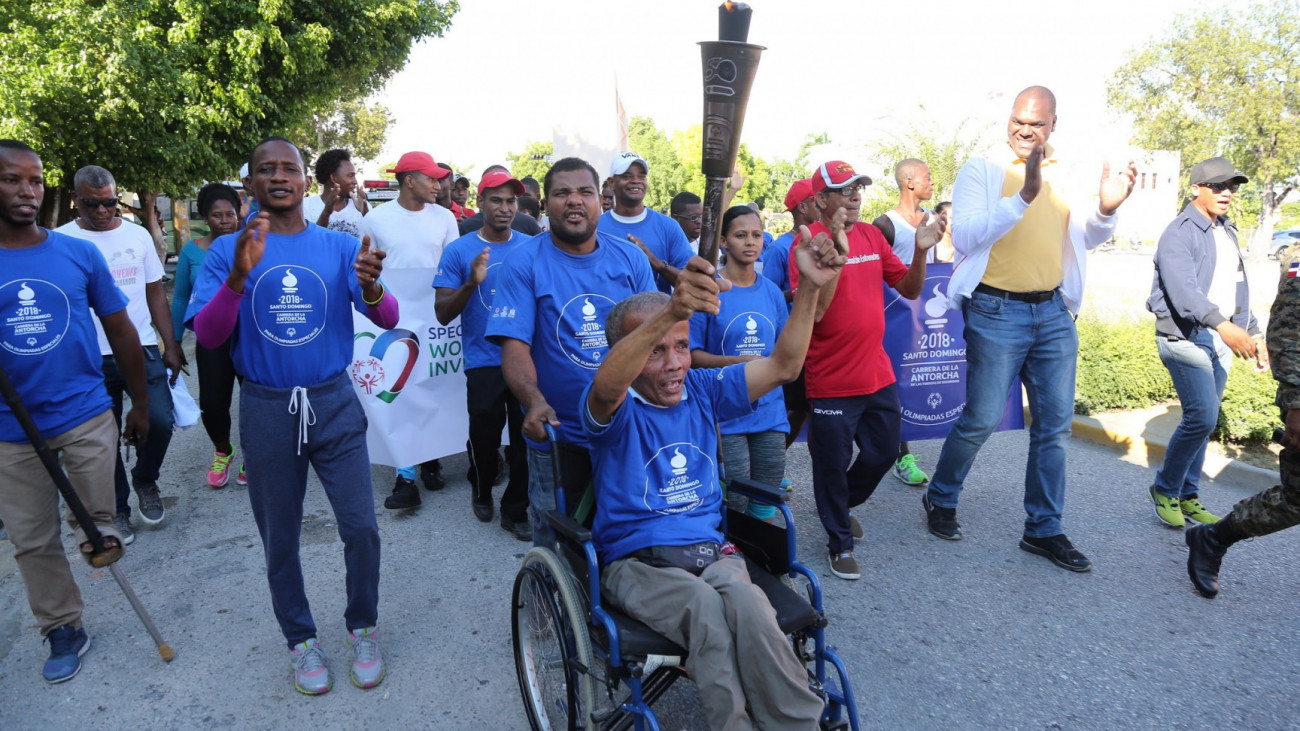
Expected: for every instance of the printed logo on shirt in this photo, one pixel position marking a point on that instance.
(289, 305)
(862, 258)
(828, 412)
(125, 267)
(749, 333)
(678, 479)
(580, 331)
(36, 316)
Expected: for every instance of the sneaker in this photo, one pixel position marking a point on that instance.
(431, 476)
(310, 676)
(787, 485)
(67, 645)
(1192, 509)
(521, 529)
(855, 528)
(367, 663)
(242, 478)
(219, 472)
(942, 522)
(906, 470)
(1058, 550)
(483, 510)
(150, 502)
(123, 524)
(844, 565)
(1167, 509)
(405, 495)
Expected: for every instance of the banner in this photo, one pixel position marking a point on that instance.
(411, 379)
(926, 344)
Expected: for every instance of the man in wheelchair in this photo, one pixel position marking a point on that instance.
(650, 420)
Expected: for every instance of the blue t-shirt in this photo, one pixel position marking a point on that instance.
(556, 302)
(48, 345)
(295, 319)
(750, 320)
(776, 262)
(660, 234)
(453, 270)
(655, 468)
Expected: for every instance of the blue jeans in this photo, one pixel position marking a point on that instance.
(575, 470)
(1199, 368)
(149, 457)
(1038, 342)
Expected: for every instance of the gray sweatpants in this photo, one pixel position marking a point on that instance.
(705, 614)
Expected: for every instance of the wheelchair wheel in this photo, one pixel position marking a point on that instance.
(551, 644)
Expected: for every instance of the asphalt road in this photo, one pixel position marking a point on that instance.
(973, 634)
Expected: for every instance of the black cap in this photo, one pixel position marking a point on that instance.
(1217, 170)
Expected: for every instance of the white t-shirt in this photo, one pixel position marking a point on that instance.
(134, 263)
(347, 221)
(413, 239)
(1227, 274)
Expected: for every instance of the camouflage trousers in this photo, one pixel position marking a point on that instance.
(1276, 508)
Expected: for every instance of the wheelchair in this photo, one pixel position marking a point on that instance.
(584, 664)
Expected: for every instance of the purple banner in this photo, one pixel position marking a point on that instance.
(925, 343)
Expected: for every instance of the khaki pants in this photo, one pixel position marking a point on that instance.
(737, 651)
(29, 506)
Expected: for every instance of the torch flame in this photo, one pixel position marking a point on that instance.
(729, 5)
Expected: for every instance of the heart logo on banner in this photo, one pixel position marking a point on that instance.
(387, 340)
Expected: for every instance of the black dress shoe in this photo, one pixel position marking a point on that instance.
(521, 529)
(1204, 556)
(405, 495)
(483, 510)
(431, 475)
(1058, 550)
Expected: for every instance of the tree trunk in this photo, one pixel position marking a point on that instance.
(180, 223)
(1269, 214)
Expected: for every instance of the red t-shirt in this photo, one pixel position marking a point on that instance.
(846, 357)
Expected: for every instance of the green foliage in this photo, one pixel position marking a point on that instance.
(169, 93)
(1223, 82)
(532, 161)
(1290, 216)
(943, 150)
(351, 125)
(1119, 368)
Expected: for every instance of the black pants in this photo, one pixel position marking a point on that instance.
(216, 390)
(491, 407)
(872, 421)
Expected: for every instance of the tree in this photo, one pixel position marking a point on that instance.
(351, 125)
(170, 93)
(1223, 83)
(943, 151)
(535, 160)
(668, 175)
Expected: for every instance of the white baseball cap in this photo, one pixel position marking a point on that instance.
(624, 160)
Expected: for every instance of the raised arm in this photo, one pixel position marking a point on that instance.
(448, 302)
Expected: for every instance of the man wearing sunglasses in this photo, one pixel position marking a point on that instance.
(137, 271)
(1201, 301)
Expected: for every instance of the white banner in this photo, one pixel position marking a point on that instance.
(411, 379)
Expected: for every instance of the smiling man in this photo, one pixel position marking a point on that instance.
(138, 273)
(651, 420)
(553, 295)
(664, 243)
(285, 289)
(1018, 277)
(1201, 301)
(341, 203)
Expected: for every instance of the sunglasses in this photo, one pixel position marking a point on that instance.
(1220, 187)
(693, 219)
(93, 204)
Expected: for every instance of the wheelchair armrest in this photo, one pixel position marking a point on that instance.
(568, 527)
(758, 491)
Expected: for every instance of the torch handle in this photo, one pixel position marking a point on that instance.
(711, 218)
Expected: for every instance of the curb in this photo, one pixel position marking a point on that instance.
(1141, 450)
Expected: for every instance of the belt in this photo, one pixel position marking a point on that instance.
(1032, 298)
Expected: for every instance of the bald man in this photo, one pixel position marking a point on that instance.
(1018, 277)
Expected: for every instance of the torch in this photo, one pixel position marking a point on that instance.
(729, 66)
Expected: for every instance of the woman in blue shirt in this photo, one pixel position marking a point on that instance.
(219, 207)
(753, 313)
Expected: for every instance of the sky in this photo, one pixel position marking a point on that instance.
(506, 72)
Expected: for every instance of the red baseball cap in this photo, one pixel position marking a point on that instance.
(835, 174)
(420, 162)
(498, 178)
(799, 192)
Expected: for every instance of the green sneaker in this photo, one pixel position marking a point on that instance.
(905, 469)
(1167, 509)
(1192, 509)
